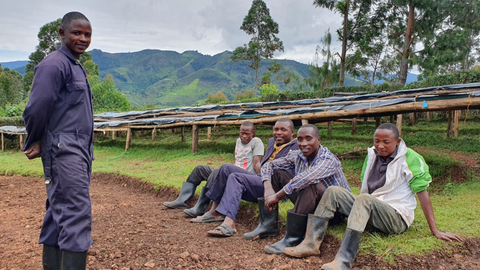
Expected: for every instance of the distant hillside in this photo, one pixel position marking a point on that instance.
(16, 65)
(168, 78)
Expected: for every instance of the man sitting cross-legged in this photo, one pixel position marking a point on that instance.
(248, 153)
(316, 168)
(243, 185)
(391, 176)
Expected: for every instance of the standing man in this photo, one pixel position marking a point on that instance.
(59, 122)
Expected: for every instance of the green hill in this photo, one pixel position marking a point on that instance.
(168, 78)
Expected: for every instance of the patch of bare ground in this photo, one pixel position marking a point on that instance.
(133, 230)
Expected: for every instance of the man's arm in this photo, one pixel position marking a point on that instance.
(257, 161)
(427, 208)
(34, 151)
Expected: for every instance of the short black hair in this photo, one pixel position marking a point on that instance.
(315, 129)
(69, 17)
(391, 127)
(248, 124)
(288, 121)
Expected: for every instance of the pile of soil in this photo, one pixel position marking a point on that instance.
(133, 230)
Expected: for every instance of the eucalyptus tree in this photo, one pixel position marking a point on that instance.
(259, 24)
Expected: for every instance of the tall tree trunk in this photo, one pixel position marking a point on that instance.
(344, 43)
(402, 78)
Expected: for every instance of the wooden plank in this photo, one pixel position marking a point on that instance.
(458, 113)
(154, 134)
(194, 139)
(129, 139)
(450, 123)
(330, 127)
(21, 141)
(411, 117)
(209, 133)
(304, 122)
(399, 123)
(354, 126)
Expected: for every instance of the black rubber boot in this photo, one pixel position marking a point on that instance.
(268, 225)
(188, 189)
(200, 206)
(347, 252)
(310, 246)
(51, 258)
(296, 226)
(74, 260)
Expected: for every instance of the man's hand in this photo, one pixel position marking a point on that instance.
(34, 151)
(267, 185)
(271, 202)
(449, 237)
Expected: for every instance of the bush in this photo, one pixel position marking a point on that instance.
(12, 121)
(219, 97)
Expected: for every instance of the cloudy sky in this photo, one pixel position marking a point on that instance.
(208, 26)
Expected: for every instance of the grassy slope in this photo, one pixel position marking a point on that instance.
(169, 161)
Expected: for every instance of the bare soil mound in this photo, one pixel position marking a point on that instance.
(133, 230)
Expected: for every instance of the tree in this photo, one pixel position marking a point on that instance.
(108, 98)
(326, 74)
(264, 42)
(219, 97)
(11, 87)
(358, 9)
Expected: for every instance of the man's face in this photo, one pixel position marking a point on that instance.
(283, 133)
(308, 141)
(246, 134)
(77, 37)
(385, 142)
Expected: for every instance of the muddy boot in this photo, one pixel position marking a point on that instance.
(268, 225)
(188, 189)
(296, 225)
(310, 246)
(200, 206)
(51, 258)
(347, 252)
(74, 260)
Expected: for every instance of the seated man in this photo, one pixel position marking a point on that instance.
(203, 172)
(391, 176)
(316, 168)
(243, 185)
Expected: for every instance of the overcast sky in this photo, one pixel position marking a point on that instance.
(208, 26)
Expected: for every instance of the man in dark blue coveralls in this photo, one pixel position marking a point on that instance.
(59, 122)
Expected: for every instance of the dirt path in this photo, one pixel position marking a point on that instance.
(133, 230)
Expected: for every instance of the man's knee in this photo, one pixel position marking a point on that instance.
(364, 199)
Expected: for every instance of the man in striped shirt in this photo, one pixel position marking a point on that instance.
(316, 168)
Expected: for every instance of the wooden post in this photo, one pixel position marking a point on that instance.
(129, 139)
(304, 122)
(392, 119)
(209, 133)
(174, 131)
(399, 123)
(21, 141)
(378, 121)
(183, 134)
(194, 139)
(458, 113)
(354, 126)
(365, 119)
(154, 134)
(450, 123)
(3, 146)
(330, 127)
(411, 117)
(218, 129)
(428, 116)
(113, 135)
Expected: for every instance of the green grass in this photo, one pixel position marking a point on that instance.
(168, 161)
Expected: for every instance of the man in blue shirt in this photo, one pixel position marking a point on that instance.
(59, 122)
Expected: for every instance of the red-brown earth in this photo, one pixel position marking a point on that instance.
(133, 230)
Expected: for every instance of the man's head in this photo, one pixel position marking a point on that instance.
(386, 139)
(308, 139)
(76, 33)
(283, 131)
(247, 132)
